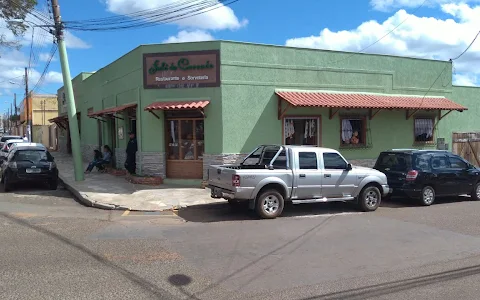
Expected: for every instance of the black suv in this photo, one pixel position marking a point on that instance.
(425, 174)
(29, 162)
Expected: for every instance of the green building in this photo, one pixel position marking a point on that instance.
(202, 103)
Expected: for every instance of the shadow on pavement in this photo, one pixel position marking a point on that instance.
(222, 212)
(37, 189)
(399, 202)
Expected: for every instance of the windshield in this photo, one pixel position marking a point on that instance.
(33, 156)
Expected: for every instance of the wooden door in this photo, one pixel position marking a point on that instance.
(467, 145)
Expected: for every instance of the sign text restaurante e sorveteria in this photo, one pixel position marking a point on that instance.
(192, 69)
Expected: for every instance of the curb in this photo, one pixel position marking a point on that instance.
(87, 202)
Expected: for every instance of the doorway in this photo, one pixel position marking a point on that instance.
(185, 146)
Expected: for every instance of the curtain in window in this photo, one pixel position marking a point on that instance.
(424, 126)
(347, 130)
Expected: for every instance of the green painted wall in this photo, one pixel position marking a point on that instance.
(243, 111)
(251, 73)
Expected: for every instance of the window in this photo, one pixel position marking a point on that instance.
(185, 139)
(423, 129)
(34, 156)
(393, 162)
(457, 163)
(440, 162)
(353, 131)
(307, 160)
(334, 161)
(301, 131)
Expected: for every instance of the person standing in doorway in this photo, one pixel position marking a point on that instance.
(130, 163)
(25, 138)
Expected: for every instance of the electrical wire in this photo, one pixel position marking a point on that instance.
(47, 65)
(465, 51)
(153, 17)
(382, 37)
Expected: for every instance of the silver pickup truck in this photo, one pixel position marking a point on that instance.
(273, 174)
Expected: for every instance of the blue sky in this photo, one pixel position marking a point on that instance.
(439, 29)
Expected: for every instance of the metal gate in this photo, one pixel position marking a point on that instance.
(467, 145)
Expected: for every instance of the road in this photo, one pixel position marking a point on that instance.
(54, 248)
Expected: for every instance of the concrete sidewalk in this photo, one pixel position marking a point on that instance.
(114, 192)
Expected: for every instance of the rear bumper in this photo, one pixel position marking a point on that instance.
(234, 193)
(411, 191)
(15, 177)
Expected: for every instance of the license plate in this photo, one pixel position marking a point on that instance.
(33, 171)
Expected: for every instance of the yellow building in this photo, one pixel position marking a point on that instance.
(42, 107)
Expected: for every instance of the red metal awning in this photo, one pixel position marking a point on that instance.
(367, 101)
(177, 105)
(372, 102)
(112, 110)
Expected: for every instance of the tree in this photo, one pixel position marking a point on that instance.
(15, 10)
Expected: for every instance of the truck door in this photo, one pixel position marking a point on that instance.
(308, 176)
(336, 181)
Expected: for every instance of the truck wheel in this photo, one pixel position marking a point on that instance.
(269, 204)
(428, 196)
(476, 192)
(369, 198)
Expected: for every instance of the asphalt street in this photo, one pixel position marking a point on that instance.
(54, 248)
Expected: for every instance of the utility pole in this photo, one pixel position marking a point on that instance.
(15, 114)
(27, 104)
(67, 86)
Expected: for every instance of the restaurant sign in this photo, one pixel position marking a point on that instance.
(181, 69)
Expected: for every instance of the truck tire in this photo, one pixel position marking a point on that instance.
(269, 204)
(369, 198)
(475, 194)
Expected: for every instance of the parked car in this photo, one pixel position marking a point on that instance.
(427, 174)
(6, 147)
(5, 138)
(272, 175)
(27, 162)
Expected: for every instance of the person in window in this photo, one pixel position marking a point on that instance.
(355, 140)
(130, 162)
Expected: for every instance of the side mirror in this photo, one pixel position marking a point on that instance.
(349, 167)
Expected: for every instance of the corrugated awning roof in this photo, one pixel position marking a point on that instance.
(112, 110)
(368, 101)
(177, 105)
(58, 119)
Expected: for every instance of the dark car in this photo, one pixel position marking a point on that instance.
(426, 174)
(27, 162)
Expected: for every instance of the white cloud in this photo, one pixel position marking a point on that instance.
(41, 37)
(220, 18)
(12, 71)
(423, 37)
(387, 5)
(466, 80)
(46, 57)
(190, 36)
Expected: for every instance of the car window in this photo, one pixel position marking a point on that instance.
(393, 162)
(334, 161)
(308, 160)
(281, 161)
(440, 162)
(33, 156)
(457, 163)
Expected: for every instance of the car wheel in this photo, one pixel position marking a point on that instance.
(428, 196)
(476, 192)
(369, 199)
(269, 204)
(53, 184)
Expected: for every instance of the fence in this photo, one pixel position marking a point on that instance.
(467, 145)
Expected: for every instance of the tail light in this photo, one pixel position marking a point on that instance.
(52, 165)
(412, 175)
(235, 180)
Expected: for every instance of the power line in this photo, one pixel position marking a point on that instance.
(47, 65)
(465, 51)
(152, 17)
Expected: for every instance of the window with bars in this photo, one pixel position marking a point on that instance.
(353, 131)
(423, 130)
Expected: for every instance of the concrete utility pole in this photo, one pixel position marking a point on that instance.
(27, 105)
(67, 86)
